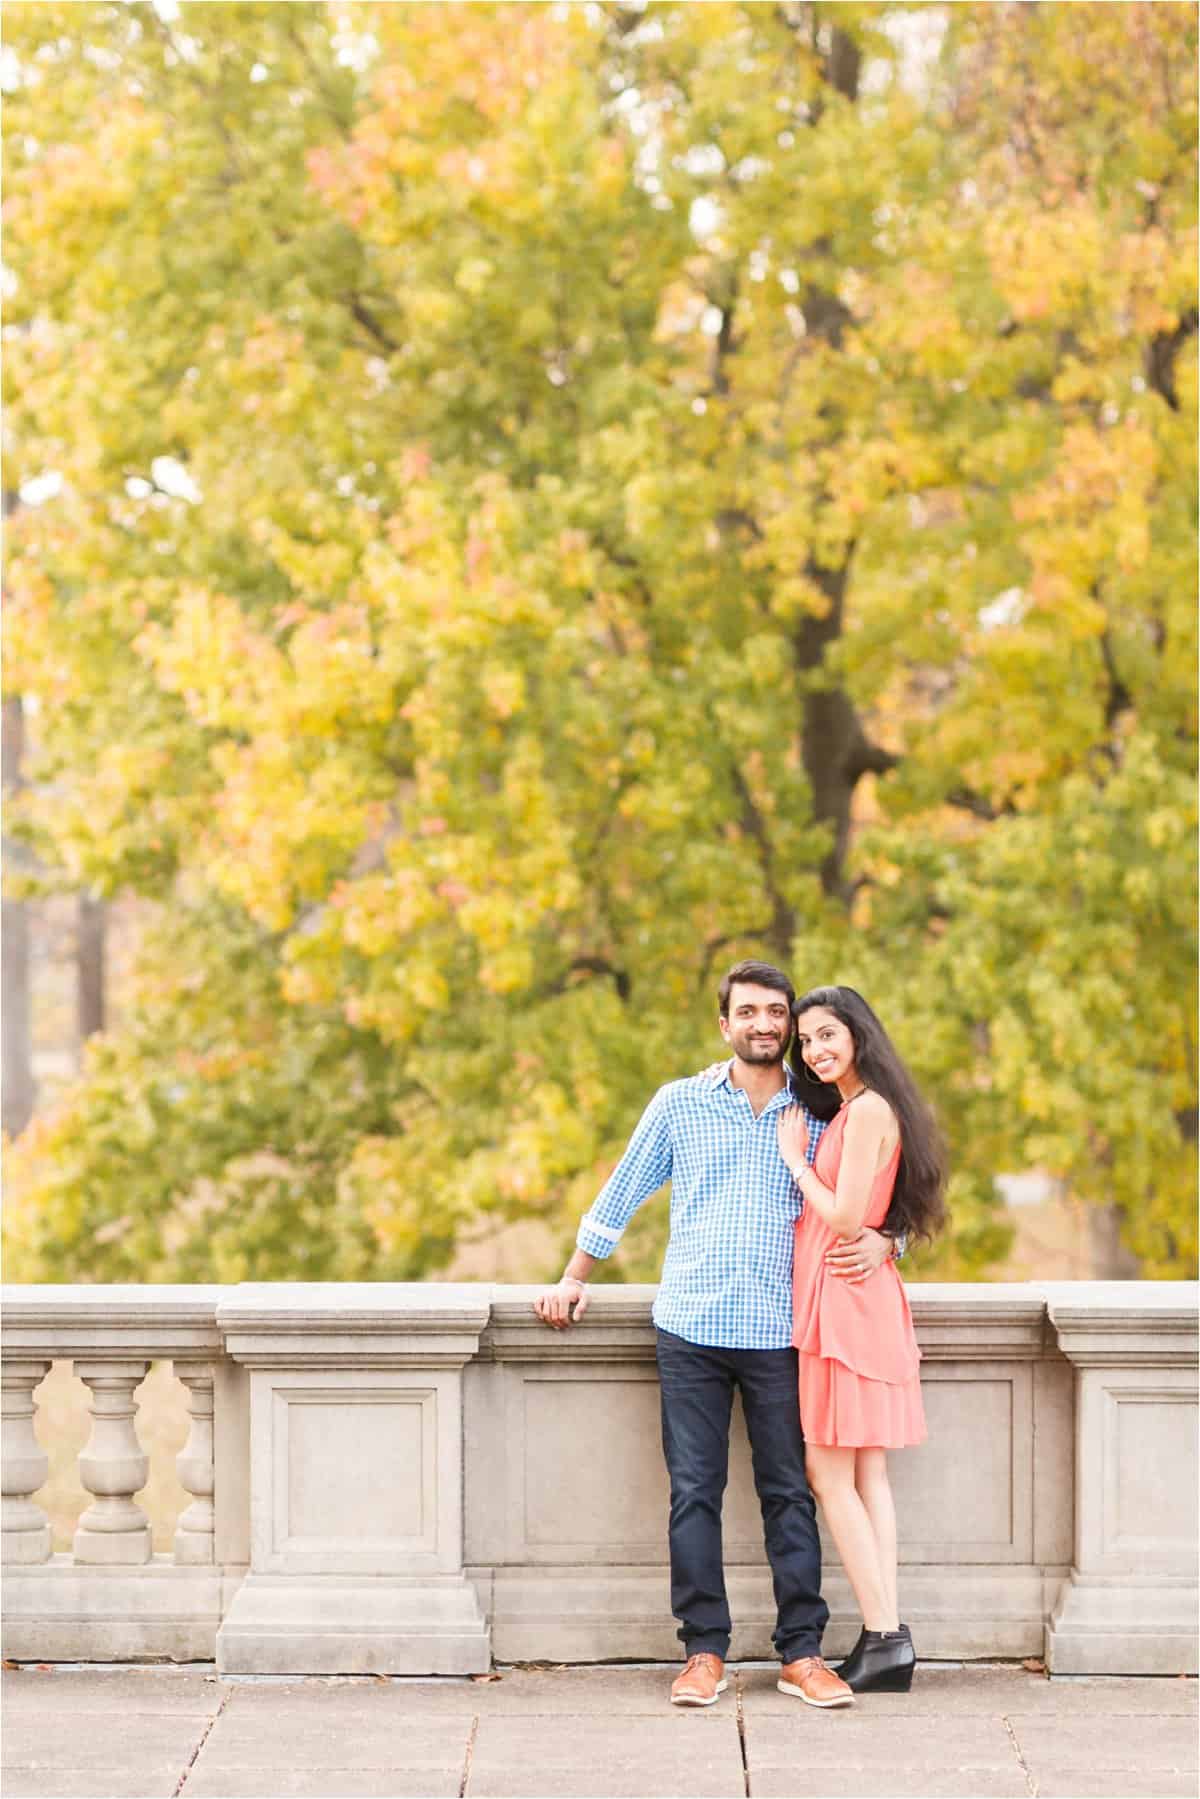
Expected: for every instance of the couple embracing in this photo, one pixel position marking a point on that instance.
(793, 1189)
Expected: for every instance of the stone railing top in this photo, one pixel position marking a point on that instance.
(962, 1321)
(633, 1297)
(1120, 1299)
(998, 1295)
(615, 1328)
(355, 1305)
(138, 1321)
(363, 1324)
(1102, 1322)
(432, 1320)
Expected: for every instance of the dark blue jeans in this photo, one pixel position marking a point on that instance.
(697, 1385)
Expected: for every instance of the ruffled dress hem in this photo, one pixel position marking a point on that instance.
(851, 1411)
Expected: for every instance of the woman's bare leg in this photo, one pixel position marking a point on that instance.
(831, 1477)
(875, 1491)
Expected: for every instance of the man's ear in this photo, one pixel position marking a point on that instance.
(723, 1022)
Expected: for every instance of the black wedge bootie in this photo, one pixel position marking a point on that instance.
(882, 1661)
(852, 1660)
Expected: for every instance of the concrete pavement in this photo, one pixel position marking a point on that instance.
(964, 1732)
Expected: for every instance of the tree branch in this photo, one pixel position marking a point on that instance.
(598, 965)
(782, 929)
(842, 65)
(967, 800)
(1161, 354)
(1119, 697)
(726, 344)
(867, 758)
(366, 318)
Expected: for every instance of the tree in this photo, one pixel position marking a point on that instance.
(551, 508)
(19, 1085)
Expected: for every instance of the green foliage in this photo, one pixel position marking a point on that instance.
(660, 485)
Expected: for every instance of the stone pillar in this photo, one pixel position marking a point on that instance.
(356, 1469)
(1129, 1603)
(194, 1463)
(26, 1532)
(114, 1531)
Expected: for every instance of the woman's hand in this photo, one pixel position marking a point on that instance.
(792, 1133)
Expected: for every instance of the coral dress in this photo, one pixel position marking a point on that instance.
(859, 1380)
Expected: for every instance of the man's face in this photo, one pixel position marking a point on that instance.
(759, 1026)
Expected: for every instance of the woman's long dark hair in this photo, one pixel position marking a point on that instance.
(918, 1204)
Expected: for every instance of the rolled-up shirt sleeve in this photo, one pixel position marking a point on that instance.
(642, 1170)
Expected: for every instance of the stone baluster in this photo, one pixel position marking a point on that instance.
(114, 1530)
(26, 1529)
(194, 1532)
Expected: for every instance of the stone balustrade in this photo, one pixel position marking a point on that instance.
(419, 1478)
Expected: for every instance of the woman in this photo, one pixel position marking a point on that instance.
(860, 1393)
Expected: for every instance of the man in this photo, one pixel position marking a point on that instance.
(723, 1319)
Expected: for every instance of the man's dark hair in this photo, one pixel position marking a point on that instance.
(754, 974)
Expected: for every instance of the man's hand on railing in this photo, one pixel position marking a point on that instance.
(563, 1304)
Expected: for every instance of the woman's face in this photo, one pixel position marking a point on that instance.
(825, 1044)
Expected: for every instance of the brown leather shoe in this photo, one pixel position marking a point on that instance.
(809, 1679)
(702, 1679)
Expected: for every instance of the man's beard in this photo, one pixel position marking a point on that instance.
(761, 1054)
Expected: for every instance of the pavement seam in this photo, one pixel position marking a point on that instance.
(468, 1757)
(1030, 1782)
(225, 1698)
(741, 1730)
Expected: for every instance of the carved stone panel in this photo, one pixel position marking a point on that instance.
(359, 1473)
(966, 1495)
(1149, 1473)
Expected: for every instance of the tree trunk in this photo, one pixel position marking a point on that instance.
(835, 750)
(829, 728)
(834, 747)
(16, 1014)
(1111, 1260)
(90, 965)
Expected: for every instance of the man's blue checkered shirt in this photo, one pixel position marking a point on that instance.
(727, 1277)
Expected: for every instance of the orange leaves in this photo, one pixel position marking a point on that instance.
(378, 911)
(1048, 263)
(209, 656)
(288, 812)
(447, 112)
(503, 690)
(928, 326)
(1090, 517)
